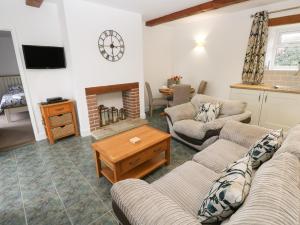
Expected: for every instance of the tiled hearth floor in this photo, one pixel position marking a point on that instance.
(57, 185)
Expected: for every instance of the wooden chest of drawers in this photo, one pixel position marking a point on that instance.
(59, 120)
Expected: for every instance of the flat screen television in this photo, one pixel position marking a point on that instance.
(44, 57)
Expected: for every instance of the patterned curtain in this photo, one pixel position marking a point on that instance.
(253, 70)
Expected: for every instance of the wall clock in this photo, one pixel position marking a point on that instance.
(111, 45)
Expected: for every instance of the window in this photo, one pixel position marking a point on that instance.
(283, 51)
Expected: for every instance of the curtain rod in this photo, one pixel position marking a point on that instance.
(281, 10)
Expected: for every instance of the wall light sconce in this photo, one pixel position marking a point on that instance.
(200, 42)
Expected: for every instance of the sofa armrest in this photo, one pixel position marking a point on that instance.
(144, 205)
(181, 112)
(242, 134)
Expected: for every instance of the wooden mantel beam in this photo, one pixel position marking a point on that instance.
(207, 6)
(34, 3)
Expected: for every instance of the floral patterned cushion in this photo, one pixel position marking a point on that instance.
(208, 112)
(227, 193)
(15, 89)
(264, 149)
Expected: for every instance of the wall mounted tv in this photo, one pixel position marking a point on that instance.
(44, 57)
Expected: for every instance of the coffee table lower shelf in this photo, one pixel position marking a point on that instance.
(137, 172)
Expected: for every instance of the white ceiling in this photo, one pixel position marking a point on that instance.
(151, 9)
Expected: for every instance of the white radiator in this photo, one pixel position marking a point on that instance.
(6, 81)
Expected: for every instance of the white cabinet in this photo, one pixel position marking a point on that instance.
(273, 110)
(254, 101)
(280, 110)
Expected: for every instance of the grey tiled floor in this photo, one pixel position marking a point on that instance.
(42, 184)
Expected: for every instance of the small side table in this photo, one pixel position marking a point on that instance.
(59, 120)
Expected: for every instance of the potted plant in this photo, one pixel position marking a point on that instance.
(176, 79)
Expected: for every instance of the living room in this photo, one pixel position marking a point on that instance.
(98, 127)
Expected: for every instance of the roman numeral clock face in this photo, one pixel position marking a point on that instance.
(111, 45)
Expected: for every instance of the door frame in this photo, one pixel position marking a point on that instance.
(18, 53)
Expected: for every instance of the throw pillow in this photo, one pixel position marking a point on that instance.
(208, 112)
(264, 149)
(12, 89)
(227, 193)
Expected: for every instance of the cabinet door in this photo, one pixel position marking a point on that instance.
(280, 110)
(254, 100)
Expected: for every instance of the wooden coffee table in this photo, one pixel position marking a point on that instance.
(118, 159)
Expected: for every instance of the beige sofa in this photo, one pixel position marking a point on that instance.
(198, 135)
(175, 199)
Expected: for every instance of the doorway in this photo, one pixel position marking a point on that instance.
(15, 124)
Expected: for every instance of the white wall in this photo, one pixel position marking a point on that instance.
(37, 26)
(76, 25)
(221, 60)
(158, 55)
(8, 61)
(85, 21)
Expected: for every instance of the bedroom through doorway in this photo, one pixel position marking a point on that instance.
(15, 124)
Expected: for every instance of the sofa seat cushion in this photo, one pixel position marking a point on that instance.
(187, 185)
(220, 154)
(274, 196)
(190, 128)
(137, 202)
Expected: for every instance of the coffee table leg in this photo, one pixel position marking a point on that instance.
(98, 163)
(116, 173)
(168, 154)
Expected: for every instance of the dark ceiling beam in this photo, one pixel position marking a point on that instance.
(34, 3)
(207, 6)
(285, 20)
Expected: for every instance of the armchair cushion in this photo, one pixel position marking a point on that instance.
(181, 112)
(143, 204)
(220, 154)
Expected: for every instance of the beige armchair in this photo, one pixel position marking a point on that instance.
(154, 101)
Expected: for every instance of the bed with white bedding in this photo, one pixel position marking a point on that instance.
(13, 101)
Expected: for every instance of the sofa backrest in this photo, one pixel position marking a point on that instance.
(274, 196)
(241, 133)
(291, 143)
(229, 107)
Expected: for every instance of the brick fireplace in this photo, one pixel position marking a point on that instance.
(130, 99)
